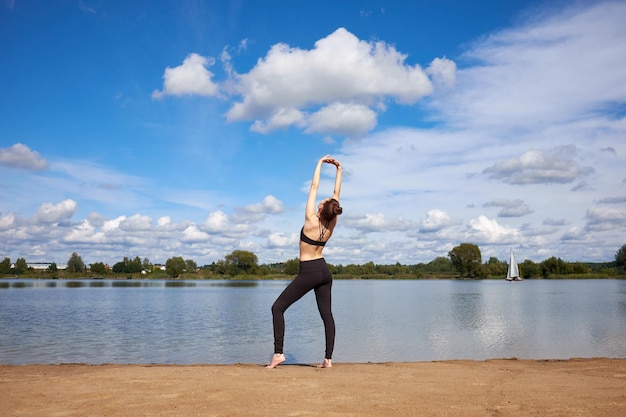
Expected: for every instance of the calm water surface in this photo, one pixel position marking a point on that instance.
(224, 322)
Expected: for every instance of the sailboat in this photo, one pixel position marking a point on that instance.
(513, 273)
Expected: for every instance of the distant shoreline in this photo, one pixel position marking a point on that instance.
(284, 277)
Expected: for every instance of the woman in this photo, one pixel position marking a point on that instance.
(319, 222)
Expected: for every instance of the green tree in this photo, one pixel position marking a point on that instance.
(292, 266)
(190, 265)
(495, 268)
(20, 266)
(175, 266)
(218, 267)
(52, 270)
(128, 266)
(553, 266)
(146, 265)
(529, 269)
(75, 263)
(352, 269)
(98, 268)
(466, 259)
(241, 262)
(580, 268)
(5, 266)
(620, 259)
(369, 268)
(440, 264)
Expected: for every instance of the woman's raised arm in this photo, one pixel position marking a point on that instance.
(337, 189)
(311, 209)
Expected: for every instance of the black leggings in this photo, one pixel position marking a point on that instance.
(313, 275)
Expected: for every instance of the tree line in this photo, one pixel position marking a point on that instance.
(463, 261)
(467, 261)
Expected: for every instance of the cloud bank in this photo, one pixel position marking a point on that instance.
(22, 157)
(337, 87)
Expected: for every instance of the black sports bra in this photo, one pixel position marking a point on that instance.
(310, 241)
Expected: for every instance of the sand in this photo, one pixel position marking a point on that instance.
(507, 387)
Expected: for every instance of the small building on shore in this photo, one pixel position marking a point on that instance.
(42, 266)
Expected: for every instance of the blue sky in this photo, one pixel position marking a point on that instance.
(192, 128)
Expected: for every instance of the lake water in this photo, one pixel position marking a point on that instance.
(225, 322)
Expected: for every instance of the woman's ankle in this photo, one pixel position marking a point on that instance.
(326, 363)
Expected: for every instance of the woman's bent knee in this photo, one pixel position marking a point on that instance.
(277, 308)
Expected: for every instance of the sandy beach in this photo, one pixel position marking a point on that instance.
(506, 387)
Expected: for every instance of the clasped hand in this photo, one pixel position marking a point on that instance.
(327, 159)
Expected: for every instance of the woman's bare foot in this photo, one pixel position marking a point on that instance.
(327, 363)
(277, 359)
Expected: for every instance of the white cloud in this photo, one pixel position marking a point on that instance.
(347, 119)
(279, 240)
(557, 67)
(435, 220)
(164, 221)
(96, 219)
(341, 74)
(54, 213)
(112, 224)
(281, 118)
(270, 205)
(7, 221)
(192, 235)
(539, 167)
(510, 208)
(442, 72)
(21, 156)
(135, 223)
(255, 213)
(606, 218)
(483, 230)
(84, 232)
(613, 200)
(190, 78)
(217, 222)
(554, 222)
(377, 222)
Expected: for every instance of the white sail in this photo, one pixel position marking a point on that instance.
(513, 272)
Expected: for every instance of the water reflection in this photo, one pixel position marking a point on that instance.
(118, 283)
(234, 284)
(180, 284)
(151, 283)
(127, 283)
(468, 310)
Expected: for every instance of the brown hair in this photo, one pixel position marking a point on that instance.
(330, 210)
